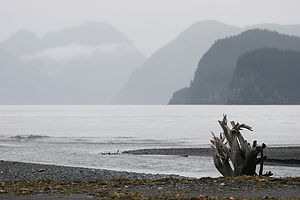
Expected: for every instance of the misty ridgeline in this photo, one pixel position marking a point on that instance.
(94, 63)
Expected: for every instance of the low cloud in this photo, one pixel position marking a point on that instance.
(76, 50)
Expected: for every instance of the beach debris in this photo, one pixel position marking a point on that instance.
(233, 155)
(111, 153)
(184, 155)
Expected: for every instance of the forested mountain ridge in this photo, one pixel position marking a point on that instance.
(266, 76)
(173, 66)
(293, 29)
(215, 70)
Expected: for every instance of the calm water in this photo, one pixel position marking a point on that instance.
(75, 135)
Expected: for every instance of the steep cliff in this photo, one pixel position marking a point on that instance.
(266, 76)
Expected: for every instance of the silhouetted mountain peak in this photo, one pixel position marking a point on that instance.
(209, 23)
(173, 65)
(258, 32)
(89, 33)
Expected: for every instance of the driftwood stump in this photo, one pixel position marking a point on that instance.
(233, 155)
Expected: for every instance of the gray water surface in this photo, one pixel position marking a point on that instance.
(75, 135)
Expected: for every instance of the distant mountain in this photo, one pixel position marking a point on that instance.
(266, 76)
(172, 66)
(96, 79)
(94, 62)
(22, 84)
(86, 64)
(87, 34)
(215, 70)
(21, 43)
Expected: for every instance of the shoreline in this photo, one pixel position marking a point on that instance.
(280, 156)
(30, 181)
(19, 171)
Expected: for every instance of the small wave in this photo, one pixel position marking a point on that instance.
(123, 137)
(29, 137)
(154, 142)
(10, 145)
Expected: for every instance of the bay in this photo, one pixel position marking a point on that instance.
(77, 135)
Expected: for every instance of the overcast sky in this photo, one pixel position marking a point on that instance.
(149, 23)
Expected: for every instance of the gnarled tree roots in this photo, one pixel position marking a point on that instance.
(233, 155)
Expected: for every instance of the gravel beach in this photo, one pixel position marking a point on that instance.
(36, 181)
(19, 171)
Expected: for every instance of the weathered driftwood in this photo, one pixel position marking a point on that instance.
(233, 155)
(111, 153)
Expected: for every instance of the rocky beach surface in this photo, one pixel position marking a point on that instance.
(37, 181)
(20, 171)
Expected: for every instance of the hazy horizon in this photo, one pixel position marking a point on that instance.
(138, 19)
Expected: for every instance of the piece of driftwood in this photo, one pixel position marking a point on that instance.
(233, 155)
(111, 153)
